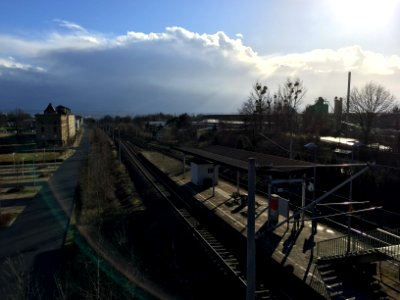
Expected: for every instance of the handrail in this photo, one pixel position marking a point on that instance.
(379, 241)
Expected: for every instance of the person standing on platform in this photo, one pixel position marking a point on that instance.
(315, 215)
(296, 220)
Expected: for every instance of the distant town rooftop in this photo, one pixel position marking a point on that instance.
(60, 109)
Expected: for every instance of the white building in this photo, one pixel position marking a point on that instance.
(203, 171)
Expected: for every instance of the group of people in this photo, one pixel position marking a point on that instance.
(296, 222)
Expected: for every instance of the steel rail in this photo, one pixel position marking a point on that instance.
(212, 244)
(206, 237)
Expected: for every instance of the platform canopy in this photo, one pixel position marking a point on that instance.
(238, 159)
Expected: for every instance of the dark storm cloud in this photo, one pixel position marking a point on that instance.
(174, 71)
(136, 76)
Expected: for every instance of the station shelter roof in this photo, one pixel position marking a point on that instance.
(238, 159)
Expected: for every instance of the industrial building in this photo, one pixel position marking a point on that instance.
(56, 126)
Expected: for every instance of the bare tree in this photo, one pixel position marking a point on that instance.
(255, 107)
(258, 100)
(286, 103)
(366, 103)
(288, 100)
(17, 118)
(291, 93)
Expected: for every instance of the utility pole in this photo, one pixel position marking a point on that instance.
(312, 146)
(348, 97)
(350, 209)
(251, 249)
(303, 199)
(327, 194)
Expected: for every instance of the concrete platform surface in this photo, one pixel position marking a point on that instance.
(293, 249)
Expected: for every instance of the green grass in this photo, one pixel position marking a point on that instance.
(19, 192)
(5, 219)
(38, 157)
(3, 134)
(9, 214)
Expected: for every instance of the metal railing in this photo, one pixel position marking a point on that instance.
(361, 243)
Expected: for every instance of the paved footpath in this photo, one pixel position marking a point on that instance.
(30, 249)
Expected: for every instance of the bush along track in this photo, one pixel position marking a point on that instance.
(99, 259)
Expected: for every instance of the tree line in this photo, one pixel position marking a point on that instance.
(262, 108)
(14, 120)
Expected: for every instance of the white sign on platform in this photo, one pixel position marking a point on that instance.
(284, 207)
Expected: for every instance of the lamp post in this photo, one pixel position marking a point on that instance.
(356, 144)
(251, 250)
(312, 146)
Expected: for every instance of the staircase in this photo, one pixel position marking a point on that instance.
(341, 274)
(332, 281)
(350, 280)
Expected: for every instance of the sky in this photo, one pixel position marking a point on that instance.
(130, 57)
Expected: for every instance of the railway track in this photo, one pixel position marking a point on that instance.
(221, 256)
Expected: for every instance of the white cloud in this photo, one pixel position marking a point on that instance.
(342, 60)
(239, 35)
(11, 63)
(70, 25)
(175, 71)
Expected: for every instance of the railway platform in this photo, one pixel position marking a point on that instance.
(290, 245)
